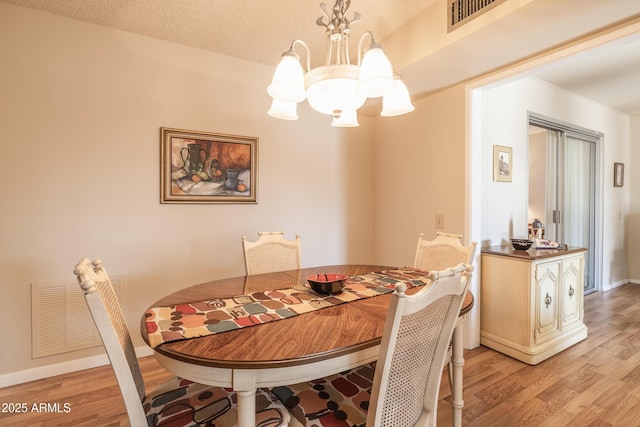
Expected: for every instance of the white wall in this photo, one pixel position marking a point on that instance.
(80, 111)
(632, 181)
(504, 122)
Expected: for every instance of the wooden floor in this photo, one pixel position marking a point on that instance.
(594, 383)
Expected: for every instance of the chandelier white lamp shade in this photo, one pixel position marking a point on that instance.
(288, 80)
(284, 110)
(337, 88)
(376, 73)
(398, 101)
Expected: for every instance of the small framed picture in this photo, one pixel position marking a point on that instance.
(205, 167)
(618, 174)
(502, 163)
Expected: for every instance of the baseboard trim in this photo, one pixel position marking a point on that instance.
(47, 371)
(616, 284)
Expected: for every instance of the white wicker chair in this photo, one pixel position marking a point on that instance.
(444, 251)
(405, 382)
(271, 252)
(178, 402)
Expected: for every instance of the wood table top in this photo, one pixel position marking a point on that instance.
(314, 336)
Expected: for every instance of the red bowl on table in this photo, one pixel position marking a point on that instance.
(327, 283)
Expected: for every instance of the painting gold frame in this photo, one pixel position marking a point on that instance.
(206, 167)
(502, 163)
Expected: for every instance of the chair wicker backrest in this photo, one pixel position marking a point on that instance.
(109, 320)
(444, 251)
(271, 252)
(413, 350)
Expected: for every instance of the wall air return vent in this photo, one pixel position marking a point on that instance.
(462, 11)
(60, 319)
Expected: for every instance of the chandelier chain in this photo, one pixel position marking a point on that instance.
(337, 23)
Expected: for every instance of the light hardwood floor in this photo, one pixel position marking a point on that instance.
(594, 383)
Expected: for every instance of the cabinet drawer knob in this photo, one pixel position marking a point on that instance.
(547, 300)
(571, 291)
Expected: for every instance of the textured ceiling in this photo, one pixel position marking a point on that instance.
(257, 30)
(260, 31)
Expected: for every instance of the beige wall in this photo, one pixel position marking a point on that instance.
(80, 112)
(419, 172)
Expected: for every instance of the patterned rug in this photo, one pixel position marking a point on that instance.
(197, 319)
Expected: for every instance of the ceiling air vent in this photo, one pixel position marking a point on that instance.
(463, 11)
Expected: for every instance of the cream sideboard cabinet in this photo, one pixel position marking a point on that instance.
(531, 302)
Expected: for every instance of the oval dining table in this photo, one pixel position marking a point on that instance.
(291, 350)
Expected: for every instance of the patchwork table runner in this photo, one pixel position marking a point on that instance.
(197, 319)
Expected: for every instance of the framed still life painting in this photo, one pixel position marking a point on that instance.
(204, 167)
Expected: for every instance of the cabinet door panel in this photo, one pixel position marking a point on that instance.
(571, 290)
(546, 301)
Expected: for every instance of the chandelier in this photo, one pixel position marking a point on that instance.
(337, 88)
